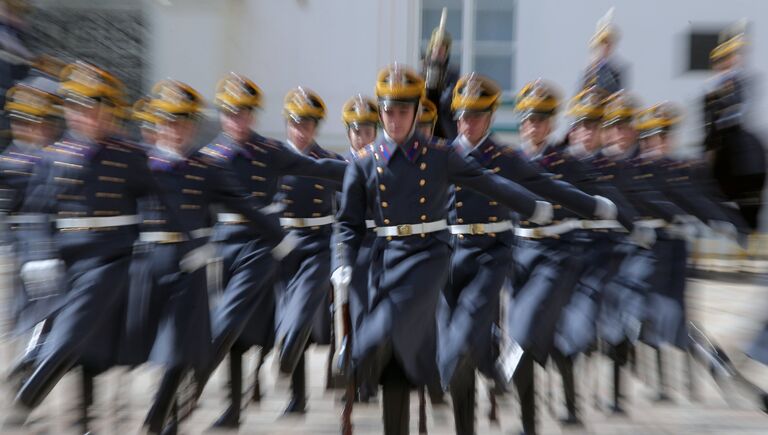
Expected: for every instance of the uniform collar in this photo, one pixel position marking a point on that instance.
(296, 149)
(411, 148)
(530, 152)
(467, 147)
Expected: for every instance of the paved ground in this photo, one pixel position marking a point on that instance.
(730, 309)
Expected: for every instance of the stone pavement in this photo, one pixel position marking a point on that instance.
(729, 310)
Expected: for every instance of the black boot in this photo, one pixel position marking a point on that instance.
(298, 402)
(86, 385)
(565, 366)
(47, 374)
(662, 395)
(526, 389)
(463, 395)
(163, 405)
(231, 417)
(256, 396)
(292, 349)
(172, 427)
(396, 399)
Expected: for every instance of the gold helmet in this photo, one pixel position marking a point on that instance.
(587, 105)
(400, 84)
(85, 84)
(537, 98)
(657, 119)
(49, 65)
(427, 112)
(172, 98)
(730, 41)
(605, 31)
(475, 93)
(31, 104)
(620, 107)
(143, 113)
(301, 103)
(360, 110)
(236, 92)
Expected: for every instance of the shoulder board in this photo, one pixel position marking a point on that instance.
(437, 143)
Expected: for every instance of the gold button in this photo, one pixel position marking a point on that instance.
(461, 236)
(384, 204)
(459, 204)
(458, 188)
(460, 220)
(380, 170)
(493, 203)
(386, 221)
(492, 234)
(422, 200)
(423, 166)
(423, 235)
(493, 218)
(389, 237)
(382, 187)
(422, 182)
(423, 218)
(424, 150)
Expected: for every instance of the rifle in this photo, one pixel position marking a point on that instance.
(342, 323)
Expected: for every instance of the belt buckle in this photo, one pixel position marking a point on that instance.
(538, 233)
(477, 229)
(404, 230)
(299, 222)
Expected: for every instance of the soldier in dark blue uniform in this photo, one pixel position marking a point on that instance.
(170, 309)
(308, 214)
(482, 242)
(361, 118)
(91, 184)
(737, 156)
(440, 79)
(249, 264)
(546, 264)
(405, 181)
(603, 71)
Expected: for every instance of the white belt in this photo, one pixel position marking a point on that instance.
(548, 231)
(97, 222)
(31, 218)
(370, 223)
(600, 225)
(411, 229)
(653, 223)
(161, 237)
(231, 218)
(172, 237)
(479, 229)
(306, 222)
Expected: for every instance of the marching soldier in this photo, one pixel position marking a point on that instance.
(546, 263)
(91, 184)
(310, 205)
(147, 122)
(427, 118)
(405, 181)
(482, 242)
(361, 118)
(603, 71)
(440, 79)
(249, 263)
(736, 155)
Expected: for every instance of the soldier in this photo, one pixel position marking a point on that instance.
(310, 206)
(34, 109)
(546, 263)
(405, 181)
(440, 79)
(737, 156)
(147, 122)
(361, 118)
(603, 71)
(248, 260)
(482, 243)
(91, 184)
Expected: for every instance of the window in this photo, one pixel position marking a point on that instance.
(700, 44)
(489, 48)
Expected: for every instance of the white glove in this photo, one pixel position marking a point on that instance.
(285, 246)
(543, 213)
(41, 270)
(340, 278)
(605, 208)
(642, 236)
(725, 229)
